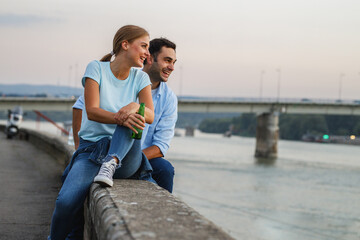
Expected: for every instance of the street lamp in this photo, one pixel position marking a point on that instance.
(181, 80)
(278, 83)
(341, 76)
(261, 83)
(69, 85)
(76, 78)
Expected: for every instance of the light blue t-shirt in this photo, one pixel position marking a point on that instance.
(114, 94)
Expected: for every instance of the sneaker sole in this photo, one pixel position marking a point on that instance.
(104, 182)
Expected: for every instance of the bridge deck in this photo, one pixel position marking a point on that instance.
(28, 189)
(209, 105)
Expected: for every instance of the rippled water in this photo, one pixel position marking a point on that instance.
(312, 191)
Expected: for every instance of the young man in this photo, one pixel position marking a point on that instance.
(157, 136)
(159, 66)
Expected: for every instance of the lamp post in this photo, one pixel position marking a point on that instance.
(278, 83)
(261, 83)
(341, 76)
(76, 79)
(69, 85)
(181, 80)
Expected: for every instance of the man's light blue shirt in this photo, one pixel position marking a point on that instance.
(79, 104)
(162, 130)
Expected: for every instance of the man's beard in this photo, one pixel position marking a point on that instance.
(154, 73)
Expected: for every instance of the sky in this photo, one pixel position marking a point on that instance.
(228, 48)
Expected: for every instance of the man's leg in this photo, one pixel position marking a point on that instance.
(163, 173)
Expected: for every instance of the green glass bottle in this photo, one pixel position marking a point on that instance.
(141, 112)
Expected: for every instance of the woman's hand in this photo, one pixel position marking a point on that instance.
(134, 120)
(127, 116)
(122, 115)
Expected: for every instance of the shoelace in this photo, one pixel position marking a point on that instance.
(108, 169)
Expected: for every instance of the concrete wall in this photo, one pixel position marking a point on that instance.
(131, 209)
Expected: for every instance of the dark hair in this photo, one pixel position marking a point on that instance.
(156, 45)
(126, 33)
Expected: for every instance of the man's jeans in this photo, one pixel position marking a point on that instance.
(163, 173)
(79, 175)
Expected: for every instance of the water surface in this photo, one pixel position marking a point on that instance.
(310, 192)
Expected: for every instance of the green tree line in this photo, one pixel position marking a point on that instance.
(292, 126)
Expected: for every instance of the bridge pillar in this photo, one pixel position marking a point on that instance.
(267, 135)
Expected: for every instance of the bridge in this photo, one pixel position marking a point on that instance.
(209, 105)
(267, 110)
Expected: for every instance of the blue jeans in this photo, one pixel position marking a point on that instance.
(67, 221)
(163, 173)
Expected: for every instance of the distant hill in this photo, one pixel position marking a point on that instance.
(38, 90)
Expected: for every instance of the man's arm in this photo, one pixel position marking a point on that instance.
(164, 130)
(76, 124)
(152, 152)
(76, 119)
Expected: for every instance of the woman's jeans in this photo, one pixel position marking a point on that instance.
(80, 173)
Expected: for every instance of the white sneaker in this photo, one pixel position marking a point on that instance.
(106, 172)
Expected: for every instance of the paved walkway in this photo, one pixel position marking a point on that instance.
(30, 181)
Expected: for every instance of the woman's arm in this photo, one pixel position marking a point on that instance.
(133, 107)
(128, 117)
(92, 104)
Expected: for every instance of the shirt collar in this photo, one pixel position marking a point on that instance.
(161, 88)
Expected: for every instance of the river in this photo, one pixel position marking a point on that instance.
(312, 191)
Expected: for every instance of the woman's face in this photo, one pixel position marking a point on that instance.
(138, 51)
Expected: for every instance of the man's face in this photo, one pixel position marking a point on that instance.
(163, 65)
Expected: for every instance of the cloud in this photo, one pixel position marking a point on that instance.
(16, 20)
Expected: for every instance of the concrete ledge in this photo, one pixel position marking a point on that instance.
(49, 143)
(134, 209)
(131, 209)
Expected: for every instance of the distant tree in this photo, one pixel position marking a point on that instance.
(215, 125)
(341, 125)
(356, 128)
(293, 127)
(245, 125)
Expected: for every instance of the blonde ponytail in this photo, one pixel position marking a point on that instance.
(106, 58)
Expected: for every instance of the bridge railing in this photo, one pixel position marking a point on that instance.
(187, 104)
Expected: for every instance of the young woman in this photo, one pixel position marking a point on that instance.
(111, 89)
